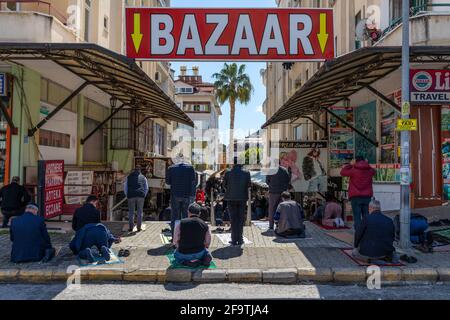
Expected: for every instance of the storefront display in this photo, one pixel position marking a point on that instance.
(342, 138)
(365, 122)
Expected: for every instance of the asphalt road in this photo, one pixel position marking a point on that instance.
(118, 291)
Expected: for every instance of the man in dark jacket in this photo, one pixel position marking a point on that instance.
(92, 235)
(278, 183)
(181, 178)
(136, 190)
(375, 236)
(86, 214)
(360, 190)
(237, 182)
(192, 239)
(30, 239)
(14, 197)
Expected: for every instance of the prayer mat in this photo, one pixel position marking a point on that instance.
(262, 225)
(175, 265)
(381, 263)
(342, 236)
(225, 238)
(114, 260)
(442, 235)
(329, 228)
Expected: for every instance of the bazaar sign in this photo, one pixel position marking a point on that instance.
(289, 34)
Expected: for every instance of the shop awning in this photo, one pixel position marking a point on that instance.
(340, 78)
(112, 73)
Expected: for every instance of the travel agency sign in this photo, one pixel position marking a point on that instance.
(430, 86)
(291, 34)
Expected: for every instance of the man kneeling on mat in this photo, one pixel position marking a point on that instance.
(192, 239)
(92, 235)
(375, 236)
(289, 216)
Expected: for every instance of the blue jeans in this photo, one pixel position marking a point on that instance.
(180, 257)
(180, 208)
(360, 208)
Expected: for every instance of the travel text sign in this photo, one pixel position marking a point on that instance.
(292, 34)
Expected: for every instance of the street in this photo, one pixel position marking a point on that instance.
(118, 291)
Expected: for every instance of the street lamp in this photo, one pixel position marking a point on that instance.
(113, 102)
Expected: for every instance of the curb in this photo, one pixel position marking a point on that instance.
(338, 275)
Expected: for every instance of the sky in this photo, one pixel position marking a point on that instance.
(249, 118)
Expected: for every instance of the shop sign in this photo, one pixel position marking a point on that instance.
(244, 34)
(407, 124)
(78, 186)
(51, 188)
(3, 91)
(430, 86)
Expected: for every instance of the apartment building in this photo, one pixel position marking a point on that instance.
(359, 24)
(197, 99)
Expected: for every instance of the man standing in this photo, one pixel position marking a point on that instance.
(192, 239)
(360, 189)
(14, 197)
(136, 190)
(237, 183)
(181, 177)
(86, 214)
(375, 236)
(289, 216)
(278, 183)
(29, 237)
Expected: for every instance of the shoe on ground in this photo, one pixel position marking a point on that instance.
(105, 253)
(90, 256)
(207, 260)
(130, 230)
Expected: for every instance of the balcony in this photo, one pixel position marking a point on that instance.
(56, 9)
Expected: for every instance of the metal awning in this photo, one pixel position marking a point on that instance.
(340, 78)
(112, 73)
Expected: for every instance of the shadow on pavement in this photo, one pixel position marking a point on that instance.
(227, 253)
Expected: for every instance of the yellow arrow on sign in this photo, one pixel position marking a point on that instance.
(323, 35)
(137, 35)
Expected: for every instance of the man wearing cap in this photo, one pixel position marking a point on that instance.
(13, 197)
(136, 190)
(192, 239)
(30, 239)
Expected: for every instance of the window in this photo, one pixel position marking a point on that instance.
(358, 18)
(54, 139)
(159, 139)
(298, 133)
(121, 131)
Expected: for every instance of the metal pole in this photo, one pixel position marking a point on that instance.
(405, 174)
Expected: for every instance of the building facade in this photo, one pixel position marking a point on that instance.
(197, 99)
(358, 24)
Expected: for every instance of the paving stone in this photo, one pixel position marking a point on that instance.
(36, 276)
(105, 274)
(179, 275)
(210, 276)
(420, 275)
(444, 274)
(145, 275)
(284, 276)
(8, 275)
(314, 274)
(244, 275)
(349, 275)
(391, 275)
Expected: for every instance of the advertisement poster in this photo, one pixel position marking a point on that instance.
(387, 173)
(365, 121)
(78, 186)
(445, 118)
(308, 163)
(342, 138)
(51, 188)
(446, 167)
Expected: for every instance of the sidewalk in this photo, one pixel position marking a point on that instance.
(317, 259)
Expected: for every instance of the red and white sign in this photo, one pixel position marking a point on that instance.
(290, 34)
(51, 184)
(430, 86)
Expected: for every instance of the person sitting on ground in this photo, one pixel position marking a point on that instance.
(332, 215)
(289, 217)
(30, 239)
(375, 236)
(192, 239)
(93, 235)
(87, 214)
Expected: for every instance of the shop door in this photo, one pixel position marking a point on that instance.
(426, 157)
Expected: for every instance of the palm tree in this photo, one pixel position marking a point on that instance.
(233, 85)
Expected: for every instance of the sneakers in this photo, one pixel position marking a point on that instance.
(339, 223)
(105, 253)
